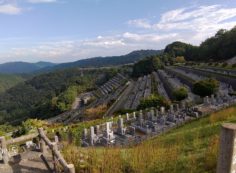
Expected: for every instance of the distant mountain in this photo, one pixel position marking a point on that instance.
(43, 64)
(106, 61)
(23, 67)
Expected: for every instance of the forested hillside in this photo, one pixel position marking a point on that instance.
(49, 94)
(217, 48)
(8, 81)
(107, 61)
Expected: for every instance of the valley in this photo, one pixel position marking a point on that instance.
(146, 111)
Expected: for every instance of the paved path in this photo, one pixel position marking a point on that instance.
(28, 162)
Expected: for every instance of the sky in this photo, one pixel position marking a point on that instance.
(68, 30)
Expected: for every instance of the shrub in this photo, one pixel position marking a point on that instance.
(97, 112)
(234, 65)
(153, 101)
(205, 87)
(180, 59)
(181, 93)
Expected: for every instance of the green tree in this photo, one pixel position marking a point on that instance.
(180, 93)
(206, 87)
(153, 101)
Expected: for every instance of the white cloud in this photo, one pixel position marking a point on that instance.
(196, 24)
(60, 51)
(10, 9)
(41, 1)
(191, 25)
(141, 23)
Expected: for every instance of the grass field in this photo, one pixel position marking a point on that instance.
(191, 148)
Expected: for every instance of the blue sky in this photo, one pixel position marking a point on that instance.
(69, 30)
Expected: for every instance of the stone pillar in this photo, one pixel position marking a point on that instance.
(177, 107)
(4, 151)
(153, 118)
(107, 129)
(127, 116)
(207, 100)
(120, 126)
(227, 153)
(56, 139)
(183, 105)
(42, 144)
(162, 110)
(212, 99)
(92, 135)
(97, 129)
(134, 115)
(171, 108)
(85, 133)
(70, 168)
(140, 118)
(157, 113)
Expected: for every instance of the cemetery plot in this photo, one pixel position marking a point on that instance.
(106, 93)
(171, 83)
(110, 86)
(225, 83)
(230, 80)
(160, 88)
(138, 126)
(221, 70)
(142, 89)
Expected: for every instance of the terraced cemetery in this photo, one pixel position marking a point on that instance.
(134, 125)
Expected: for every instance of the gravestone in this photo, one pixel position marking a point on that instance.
(140, 118)
(127, 116)
(162, 110)
(92, 135)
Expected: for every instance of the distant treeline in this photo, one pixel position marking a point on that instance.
(220, 47)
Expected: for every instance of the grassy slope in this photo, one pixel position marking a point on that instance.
(8, 81)
(190, 148)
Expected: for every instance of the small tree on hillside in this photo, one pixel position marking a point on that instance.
(181, 93)
(205, 87)
(180, 59)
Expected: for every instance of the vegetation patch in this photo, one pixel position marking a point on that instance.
(180, 93)
(153, 101)
(206, 87)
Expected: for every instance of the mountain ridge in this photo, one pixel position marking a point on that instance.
(19, 67)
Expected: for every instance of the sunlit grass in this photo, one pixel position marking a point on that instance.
(191, 148)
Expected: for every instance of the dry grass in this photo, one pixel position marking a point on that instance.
(222, 115)
(97, 112)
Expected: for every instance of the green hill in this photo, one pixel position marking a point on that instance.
(8, 81)
(48, 94)
(220, 47)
